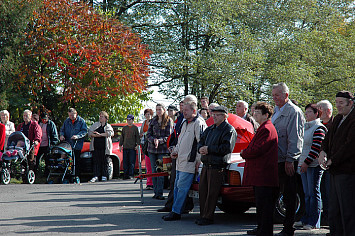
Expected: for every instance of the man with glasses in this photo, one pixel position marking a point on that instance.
(215, 146)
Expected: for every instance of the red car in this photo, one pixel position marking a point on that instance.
(115, 160)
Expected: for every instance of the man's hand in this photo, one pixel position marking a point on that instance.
(289, 168)
(322, 157)
(174, 155)
(304, 168)
(329, 163)
(204, 150)
(156, 143)
(61, 138)
(74, 137)
(197, 166)
(36, 143)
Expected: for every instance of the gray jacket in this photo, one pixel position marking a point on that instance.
(290, 130)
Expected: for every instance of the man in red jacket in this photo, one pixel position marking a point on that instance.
(261, 169)
(33, 132)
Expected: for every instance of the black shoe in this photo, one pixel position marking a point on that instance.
(160, 197)
(164, 209)
(126, 177)
(154, 197)
(204, 221)
(283, 233)
(172, 216)
(252, 232)
(186, 211)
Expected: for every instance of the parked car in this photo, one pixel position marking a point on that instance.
(115, 160)
(236, 199)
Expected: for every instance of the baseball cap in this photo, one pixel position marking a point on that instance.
(130, 117)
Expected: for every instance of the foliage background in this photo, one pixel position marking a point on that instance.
(226, 50)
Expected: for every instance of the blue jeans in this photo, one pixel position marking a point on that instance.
(183, 181)
(129, 161)
(158, 182)
(311, 186)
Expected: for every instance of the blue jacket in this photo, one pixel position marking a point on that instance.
(79, 128)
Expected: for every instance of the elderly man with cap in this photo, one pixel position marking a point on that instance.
(129, 142)
(215, 146)
(338, 156)
(49, 138)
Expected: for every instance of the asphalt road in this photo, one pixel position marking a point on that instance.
(105, 208)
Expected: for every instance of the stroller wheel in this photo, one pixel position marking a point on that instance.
(5, 176)
(29, 177)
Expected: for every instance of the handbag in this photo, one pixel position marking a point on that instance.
(145, 148)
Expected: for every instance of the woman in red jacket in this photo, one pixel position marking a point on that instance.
(261, 169)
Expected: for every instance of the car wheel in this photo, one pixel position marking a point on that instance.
(5, 176)
(280, 208)
(110, 168)
(29, 177)
(233, 207)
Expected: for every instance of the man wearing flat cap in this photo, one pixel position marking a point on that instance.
(339, 156)
(129, 142)
(215, 146)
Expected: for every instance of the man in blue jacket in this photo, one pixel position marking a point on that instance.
(73, 131)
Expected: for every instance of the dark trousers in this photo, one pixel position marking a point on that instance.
(209, 188)
(42, 154)
(31, 160)
(189, 204)
(342, 205)
(77, 161)
(288, 185)
(100, 163)
(129, 161)
(265, 198)
(324, 189)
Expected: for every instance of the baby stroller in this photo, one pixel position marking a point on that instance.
(60, 161)
(14, 159)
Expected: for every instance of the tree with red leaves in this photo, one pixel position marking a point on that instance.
(74, 52)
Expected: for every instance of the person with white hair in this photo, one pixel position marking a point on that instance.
(289, 122)
(9, 126)
(242, 111)
(33, 132)
(326, 116)
(210, 107)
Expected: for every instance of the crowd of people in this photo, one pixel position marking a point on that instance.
(287, 143)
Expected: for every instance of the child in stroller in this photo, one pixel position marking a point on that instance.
(16, 150)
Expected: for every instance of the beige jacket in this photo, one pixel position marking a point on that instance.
(109, 132)
(184, 147)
